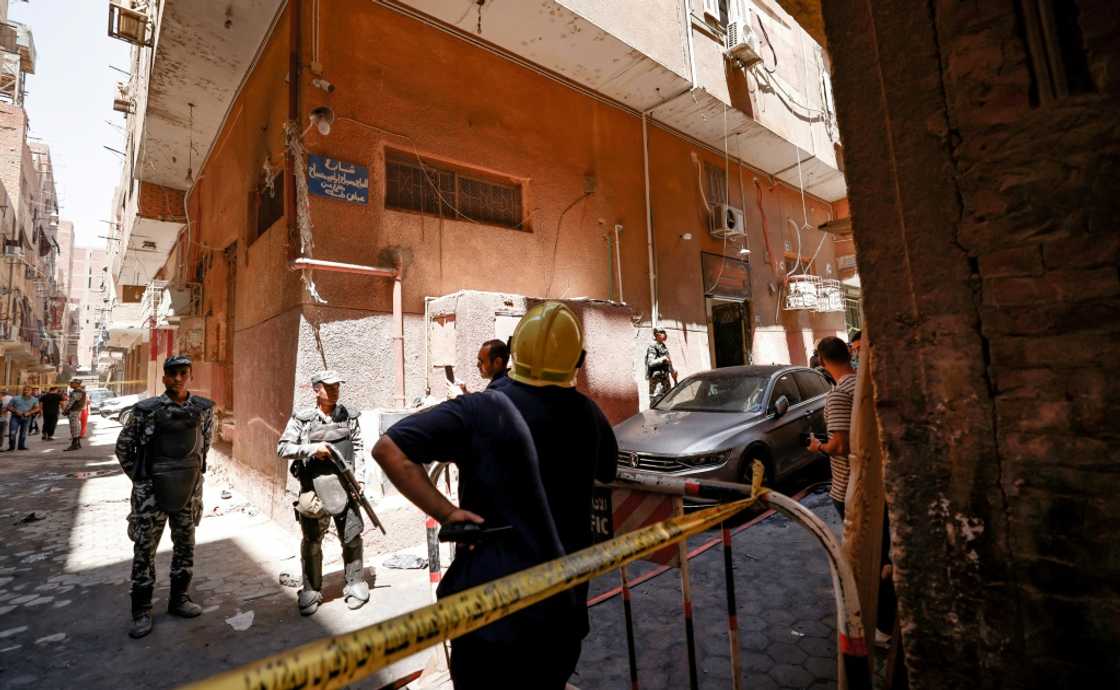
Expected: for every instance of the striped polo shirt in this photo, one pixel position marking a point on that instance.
(838, 417)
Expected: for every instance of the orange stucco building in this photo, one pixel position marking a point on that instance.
(473, 172)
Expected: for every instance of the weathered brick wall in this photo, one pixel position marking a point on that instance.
(986, 230)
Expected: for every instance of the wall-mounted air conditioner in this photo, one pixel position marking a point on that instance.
(742, 41)
(13, 250)
(129, 22)
(727, 222)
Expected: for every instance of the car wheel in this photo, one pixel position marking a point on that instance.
(745, 467)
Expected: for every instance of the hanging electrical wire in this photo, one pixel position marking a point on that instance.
(303, 208)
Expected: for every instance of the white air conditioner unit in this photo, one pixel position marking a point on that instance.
(727, 222)
(742, 41)
(13, 250)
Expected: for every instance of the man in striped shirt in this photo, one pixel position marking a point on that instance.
(836, 359)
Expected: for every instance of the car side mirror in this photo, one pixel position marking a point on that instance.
(781, 405)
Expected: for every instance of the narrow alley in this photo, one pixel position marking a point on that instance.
(64, 571)
(559, 344)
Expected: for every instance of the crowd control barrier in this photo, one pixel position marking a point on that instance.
(337, 661)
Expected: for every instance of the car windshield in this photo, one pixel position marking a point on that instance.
(716, 394)
(99, 394)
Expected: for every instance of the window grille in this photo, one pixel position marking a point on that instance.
(437, 190)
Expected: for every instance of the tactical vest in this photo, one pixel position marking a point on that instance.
(175, 454)
(323, 476)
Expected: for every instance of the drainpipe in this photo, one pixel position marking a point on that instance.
(398, 334)
(295, 13)
(397, 274)
(618, 262)
(653, 306)
(686, 18)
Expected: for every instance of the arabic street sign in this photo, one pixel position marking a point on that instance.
(338, 179)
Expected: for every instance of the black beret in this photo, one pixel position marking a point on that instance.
(176, 361)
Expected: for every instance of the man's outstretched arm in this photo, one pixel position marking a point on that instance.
(413, 482)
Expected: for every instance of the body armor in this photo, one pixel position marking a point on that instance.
(323, 478)
(175, 454)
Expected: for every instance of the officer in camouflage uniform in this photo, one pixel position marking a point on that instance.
(659, 367)
(163, 451)
(305, 442)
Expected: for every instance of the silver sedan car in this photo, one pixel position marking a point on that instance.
(713, 424)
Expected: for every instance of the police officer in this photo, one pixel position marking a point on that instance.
(659, 366)
(306, 442)
(528, 453)
(75, 403)
(163, 451)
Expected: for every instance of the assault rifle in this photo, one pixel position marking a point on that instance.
(352, 489)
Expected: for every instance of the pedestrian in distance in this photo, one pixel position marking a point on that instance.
(528, 454)
(493, 364)
(75, 403)
(307, 442)
(51, 402)
(33, 425)
(163, 451)
(5, 415)
(85, 413)
(836, 359)
(23, 408)
(659, 367)
(855, 342)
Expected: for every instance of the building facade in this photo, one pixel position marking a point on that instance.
(563, 150)
(88, 299)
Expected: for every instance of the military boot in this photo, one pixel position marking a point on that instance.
(141, 613)
(75, 444)
(179, 602)
(309, 595)
(356, 591)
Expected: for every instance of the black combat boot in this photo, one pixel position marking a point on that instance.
(179, 602)
(75, 444)
(141, 613)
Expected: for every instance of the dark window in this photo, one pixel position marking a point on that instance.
(811, 384)
(434, 189)
(785, 386)
(270, 203)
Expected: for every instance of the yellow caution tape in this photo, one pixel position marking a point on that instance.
(338, 661)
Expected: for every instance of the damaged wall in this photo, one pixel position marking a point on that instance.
(991, 298)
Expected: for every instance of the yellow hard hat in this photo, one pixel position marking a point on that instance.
(547, 346)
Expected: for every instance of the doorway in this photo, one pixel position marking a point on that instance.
(729, 332)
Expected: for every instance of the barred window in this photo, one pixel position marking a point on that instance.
(438, 190)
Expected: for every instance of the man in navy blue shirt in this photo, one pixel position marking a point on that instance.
(528, 454)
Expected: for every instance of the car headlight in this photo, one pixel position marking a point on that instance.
(707, 459)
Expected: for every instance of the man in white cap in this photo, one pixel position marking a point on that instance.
(307, 441)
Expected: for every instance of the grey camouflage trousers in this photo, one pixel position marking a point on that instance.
(659, 385)
(145, 528)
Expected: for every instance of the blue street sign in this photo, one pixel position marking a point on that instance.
(338, 179)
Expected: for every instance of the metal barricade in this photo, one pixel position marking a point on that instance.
(337, 661)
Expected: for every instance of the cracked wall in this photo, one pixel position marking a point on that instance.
(985, 226)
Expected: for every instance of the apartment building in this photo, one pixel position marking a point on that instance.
(666, 163)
